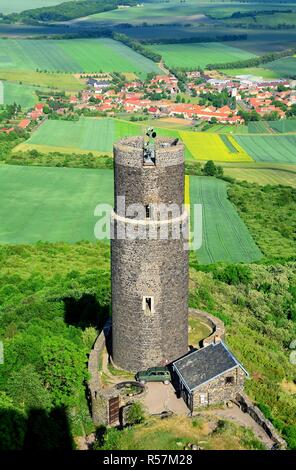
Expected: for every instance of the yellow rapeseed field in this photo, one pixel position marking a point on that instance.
(204, 146)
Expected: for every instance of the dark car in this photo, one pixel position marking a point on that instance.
(154, 374)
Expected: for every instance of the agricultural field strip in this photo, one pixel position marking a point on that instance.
(228, 143)
(99, 134)
(34, 197)
(285, 67)
(263, 176)
(205, 146)
(222, 241)
(199, 54)
(65, 82)
(53, 204)
(273, 148)
(15, 6)
(75, 55)
(24, 95)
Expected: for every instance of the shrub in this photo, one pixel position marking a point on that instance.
(290, 435)
(234, 274)
(136, 414)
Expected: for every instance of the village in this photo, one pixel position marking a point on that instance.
(193, 99)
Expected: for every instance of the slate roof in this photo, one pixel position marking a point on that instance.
(205, 364)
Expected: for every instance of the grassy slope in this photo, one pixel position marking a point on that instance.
(225, 236)
(269, 213)
(258, 329)
(177, 432)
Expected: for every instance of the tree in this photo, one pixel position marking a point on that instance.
(34, 153)
(65, 369)
(219, 171)
(27, 390)
(209, 168)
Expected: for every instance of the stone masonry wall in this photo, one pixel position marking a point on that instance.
(214, 323)
(219, 392)
(247, 406)
(99, 398)
(146, 267)
(138, 269)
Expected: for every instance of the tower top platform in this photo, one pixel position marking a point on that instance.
(130, 151)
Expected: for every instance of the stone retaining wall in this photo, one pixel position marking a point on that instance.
(214, 323)
(98, 399)
(248, 407)
(99, 396)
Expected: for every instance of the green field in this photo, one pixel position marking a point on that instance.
(263, 176)
(255, 71)
(98, 135)
(13, 6)
(86, 134)
(225, 236)
(273, 20)
(199, 55)
(285, 67)
(52, 204)
(72, 56)
(269, 148)
(157, 12)
(284, 125)
(57, 204)
(225, 129)
(19, 94)
(259, 127)
(64, 82)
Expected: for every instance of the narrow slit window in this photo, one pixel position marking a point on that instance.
(148, 211)
(148, 305)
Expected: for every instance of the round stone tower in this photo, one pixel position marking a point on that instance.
(149, 259)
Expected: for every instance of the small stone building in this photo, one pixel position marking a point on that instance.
(208, 376)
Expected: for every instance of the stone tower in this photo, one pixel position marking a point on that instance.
(149, 273)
